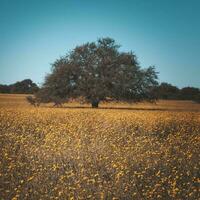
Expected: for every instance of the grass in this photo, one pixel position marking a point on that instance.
(75, 153)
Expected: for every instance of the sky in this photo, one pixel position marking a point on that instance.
(163, 33)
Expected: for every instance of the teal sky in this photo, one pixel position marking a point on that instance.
(164, 33)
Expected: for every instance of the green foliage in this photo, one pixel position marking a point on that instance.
(168, 91)
(4, 89)
(26, 86)
(189, 93)
(197, 98)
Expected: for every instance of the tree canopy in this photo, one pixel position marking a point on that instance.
(169, 91)
(27, 86)
(98, 71)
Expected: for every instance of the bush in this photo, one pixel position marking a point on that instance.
(33, 101)
(197, 98)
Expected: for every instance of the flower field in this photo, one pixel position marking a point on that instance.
(75, 153)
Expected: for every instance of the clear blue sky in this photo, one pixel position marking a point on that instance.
(164, 33)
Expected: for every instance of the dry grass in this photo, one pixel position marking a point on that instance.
(50, 153)
(18, 100)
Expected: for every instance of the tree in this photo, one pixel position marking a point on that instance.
(97, 71)
(167, 91)
(5, 89)
(26, 86)
(197, 98)
(189, 93)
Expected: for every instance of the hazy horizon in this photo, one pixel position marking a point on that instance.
(161, 33)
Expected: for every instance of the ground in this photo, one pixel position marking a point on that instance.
(119, 151)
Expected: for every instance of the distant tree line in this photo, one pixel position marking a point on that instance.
(26, 86)
(171, 92)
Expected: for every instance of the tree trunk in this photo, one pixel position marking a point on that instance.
(95, 103)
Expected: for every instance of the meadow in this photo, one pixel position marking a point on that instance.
(119, 151)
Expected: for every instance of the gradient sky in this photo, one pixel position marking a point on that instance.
(164, 33)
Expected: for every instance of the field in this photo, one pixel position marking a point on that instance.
(118, 151)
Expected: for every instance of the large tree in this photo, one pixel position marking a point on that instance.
(98, 71)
